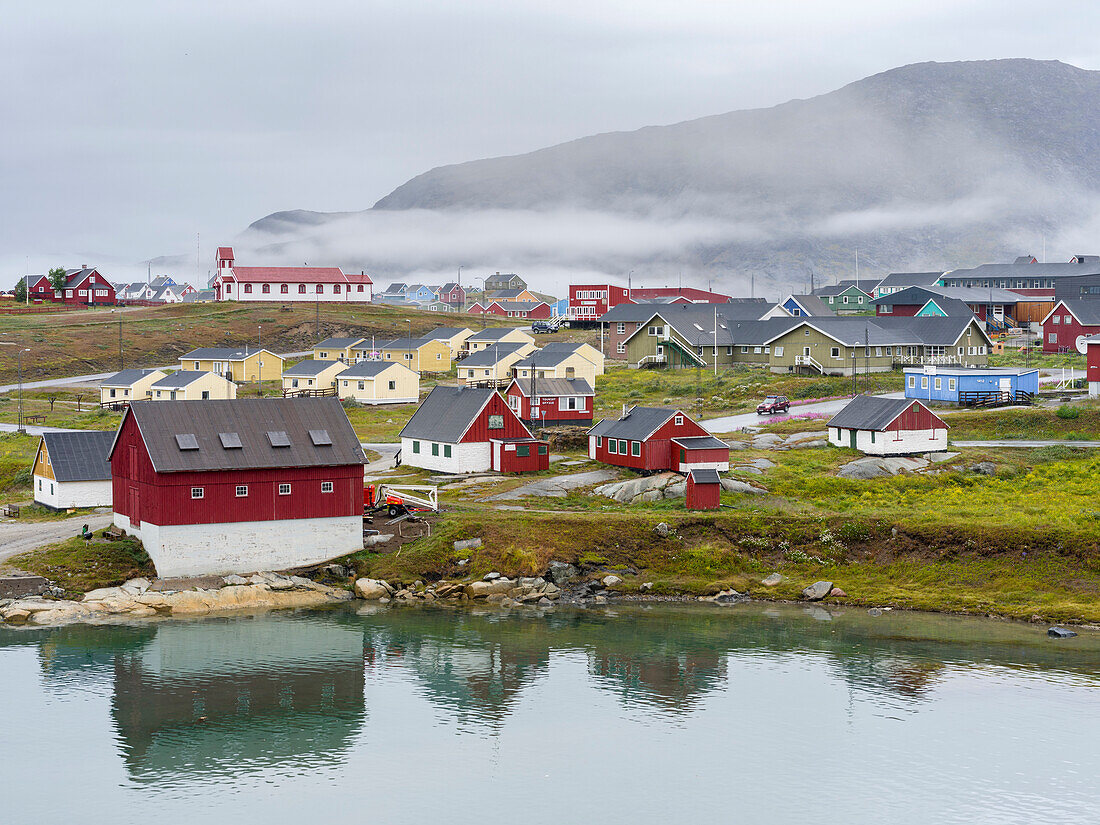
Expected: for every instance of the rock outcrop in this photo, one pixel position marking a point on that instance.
(664, 486)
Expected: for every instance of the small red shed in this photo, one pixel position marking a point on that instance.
(704, 490)
(656, 439)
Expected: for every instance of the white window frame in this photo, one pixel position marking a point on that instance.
(326, 487)
(241, 491)
(678, 421)
(197, 492)
(285, 488)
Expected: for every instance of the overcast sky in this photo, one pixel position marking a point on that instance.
(128, 127)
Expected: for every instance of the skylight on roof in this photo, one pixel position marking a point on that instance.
(698, 327)
(320, 438)
(230, 441)
(278, 438)
(187, 441)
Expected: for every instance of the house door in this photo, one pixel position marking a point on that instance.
(134, 507)
(852, 438)
(806, 351)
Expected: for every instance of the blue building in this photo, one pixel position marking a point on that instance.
(559, 307)
(969, 386)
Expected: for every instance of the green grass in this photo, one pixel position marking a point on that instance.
(1081, 422)
(77, 566)
(16, 457)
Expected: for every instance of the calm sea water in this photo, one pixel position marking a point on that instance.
(750, 713)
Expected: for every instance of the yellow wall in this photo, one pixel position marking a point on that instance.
(42, 465)
(219, 389)
(516, 336)
(431, 356)
(333, 353)
(582, 368)
(323, 380)
(243, 369)
(138, 391)
(377, 390)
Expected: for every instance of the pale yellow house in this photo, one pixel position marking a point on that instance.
(379, 382)
(484, 339)
(338, 349)
(561, 360)
(418, 354)
(493, 365)
(312, 377)
(454, 337)
(192, 385)
(241, 365)
(128, 385)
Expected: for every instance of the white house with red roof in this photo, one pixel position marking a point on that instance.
(329, 284)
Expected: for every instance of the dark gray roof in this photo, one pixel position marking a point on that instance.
(410, 344)
(491, 334)
(546, 357)
(1026, 270)
(179, 378)
(443, 333)
(639, 424)
(887, 331)
(910, 279)
(80, 455)
(813, 305)
(447, 413)
(222, 353)
(252, 419)
(1087, 312)
(870, 412)
(972, 295)
(491, 355)
(369, 369)
(866, 287)
(705, 476)
(695, 323)
(517, 306)
(701, 442)
(554, 386)
(309, 367)
(504, 294)
(337, 343)
(125, 378)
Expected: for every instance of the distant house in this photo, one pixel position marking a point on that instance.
(468, 430)
(452, 293)
(518, 309)
(191, 385)
(418, 354)
(129, 385)
(656, 439)
(221, 487)
(88, 287)
(1069, 324)
(888, 426)
(453, 337)
(312, 377)
(235, 364)
(200, 296)
(1092, 365)
(39, 288)
(498, 335)
(337, 349)
(897, 281)
(394, 293)
(560, 308)
(548, 402)
(806, 306)
(508, 280)
(379, 382)
(523, 296)
(970, 386)
(326, 284)
(71, 469)
(845, 297)
(492, 365)
(561, 360)
(419, 293)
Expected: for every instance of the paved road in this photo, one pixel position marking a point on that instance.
(733, 423)
(18, 537)
(1026, 442)
(387, 451)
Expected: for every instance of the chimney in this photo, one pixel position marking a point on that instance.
(625, 413)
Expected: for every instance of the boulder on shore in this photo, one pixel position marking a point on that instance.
(817, 591)
(372, 589)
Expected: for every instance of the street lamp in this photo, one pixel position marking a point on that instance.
(19, 357)
(409, 342)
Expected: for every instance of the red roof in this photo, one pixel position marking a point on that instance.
(225, 252)
(298, 274)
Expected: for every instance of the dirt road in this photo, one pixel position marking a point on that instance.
(16, 537)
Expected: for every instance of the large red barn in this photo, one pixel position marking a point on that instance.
(547, 402)
(215, 487)
(656, 439)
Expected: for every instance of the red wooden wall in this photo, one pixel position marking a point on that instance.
(479, 431)
(922, 419)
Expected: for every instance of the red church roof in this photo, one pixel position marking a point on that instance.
(225, 252)
(298, 274)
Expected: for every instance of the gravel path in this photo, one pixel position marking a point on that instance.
(17, 537)
(557, 487)
(1026, 442)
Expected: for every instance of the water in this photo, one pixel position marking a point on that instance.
(751, 713)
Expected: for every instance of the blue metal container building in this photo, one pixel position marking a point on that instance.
(962, 385)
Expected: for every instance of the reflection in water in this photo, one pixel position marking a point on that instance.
(221, 697)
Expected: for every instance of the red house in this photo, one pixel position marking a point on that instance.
(518, 309)
(555, 401)
(704, 489)
(587, 302)
(656, 439)
(1068, 325)
(39, 288)
(87, 287)
(453, 294)
(216, 487)
(470, 430)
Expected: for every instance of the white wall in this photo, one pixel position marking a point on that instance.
(465, 458)
(912, 441)
(720, 466)
(72, 493)
(246, 546)
(310, 296)
(1094, 389)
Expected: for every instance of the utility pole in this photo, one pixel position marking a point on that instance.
(120, 361)
(716, 339)
(19, 358)
(317, 318)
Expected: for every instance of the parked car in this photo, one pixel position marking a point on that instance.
(773, 404)
(543, 326)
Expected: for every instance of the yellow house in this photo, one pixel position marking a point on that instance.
(192, 385)
(419, 354)
(128, 385)
(312, 377)
(239, 365)
(560, 360)
(454, 337)
(493, 365)
(338, 349)
(480, 341)
(379, 382)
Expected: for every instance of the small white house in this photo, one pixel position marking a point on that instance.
(888, 426)
(71, 469)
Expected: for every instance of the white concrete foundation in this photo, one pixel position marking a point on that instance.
(245, 546)
(62, 496)
(911, 441)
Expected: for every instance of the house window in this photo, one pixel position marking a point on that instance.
(912, 381)
(756, 350)
(392, 385)
(446, 450)
(924, 382)
(599, 441)
(622, 446)
(416, 447)
(112, 393)
(951, 384)
(878, 352)
(228, 288)
(621, 328)
(543, 449)
(939, 383)
(657, 332)
(284, 289)
(360, 288)
(363, 385)
(301, 289)
(496, 422)
(336, 288)
(320, 289)
(779, 352)
(889, 351)
(196, 492)
(1055, 319)
(435, 449)
(284, 489)
(326, 486)
(835, 352)
(679, 421)
(266, 289)
(859, 300)
(729, 350)
(248, 289)
(523, 451)
(1053, 338)
(635, 448)
(744, 349)
(981, 350)
(612, 446)
(960, 350)
(845, 299)
(1067, 320)
(620, 347)
(241, 491)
